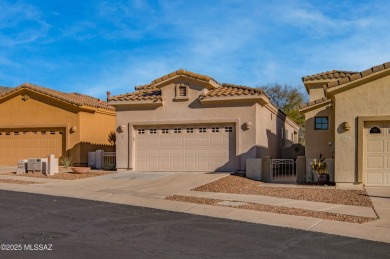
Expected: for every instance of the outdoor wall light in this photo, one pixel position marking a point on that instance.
(73, 129)
(347, 125)
(247, 125)
(122, 128)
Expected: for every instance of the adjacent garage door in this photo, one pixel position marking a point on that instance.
(16, 144)
(185, 148)
(377, 154)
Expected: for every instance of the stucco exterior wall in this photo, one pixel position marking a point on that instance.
(317, 141)
(261, 138)
(191, 111)
(367, 99)
(270, 123)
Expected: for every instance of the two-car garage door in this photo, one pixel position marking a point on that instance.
(185, 148)
(16, 144)
(377, 154)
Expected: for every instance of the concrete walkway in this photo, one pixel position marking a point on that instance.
(149, 190)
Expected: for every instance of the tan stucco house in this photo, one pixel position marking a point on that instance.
(185, 121)
(36, 121)
(348, 117)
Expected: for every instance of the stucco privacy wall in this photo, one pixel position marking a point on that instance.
(367, 97)
(42, 111)
(270, 122)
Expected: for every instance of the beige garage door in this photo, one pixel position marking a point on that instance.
(16, 144)
(377, 154)
(185, 148)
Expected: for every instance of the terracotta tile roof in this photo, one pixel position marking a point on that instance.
(185, 73)
(333, 74)
(318, 101)
(357, 76)
(231, 90)
(151, 92)
(73, 98)
(142, 93)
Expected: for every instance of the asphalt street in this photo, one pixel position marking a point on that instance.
(40, 226)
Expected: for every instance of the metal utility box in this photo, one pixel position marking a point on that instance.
(34, 164)
(22, 167)
(37, 165)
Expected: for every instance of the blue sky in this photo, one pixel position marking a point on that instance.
(94, 46)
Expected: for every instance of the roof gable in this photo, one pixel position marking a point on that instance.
(71, 98)
(151, 93)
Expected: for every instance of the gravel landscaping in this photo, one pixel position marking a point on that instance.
(63, 175)
(275, 209)
(241, 185)
(17, 181)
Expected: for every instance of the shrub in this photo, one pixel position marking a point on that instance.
(66, 161)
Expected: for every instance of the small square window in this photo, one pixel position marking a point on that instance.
(52, 132)
(8, 133)
(153, 131)
(141, 131)
(16, 133)
(228, 129)
(321, 123)
(215, 129)
(177, 130)
(43, 132)
(202, 130)
(165, 131)
(190, 130)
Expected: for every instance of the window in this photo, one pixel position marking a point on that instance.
(8, 133)
(292, 137)
(43, 132)
(165, 131)
(52, 132)
(141, 131)
(153, 131)
(321, 123)
(190, 130)
(215, 129)
(177, 130)
(375, 130)
(16, 133)
(202, 130)
(228, 129)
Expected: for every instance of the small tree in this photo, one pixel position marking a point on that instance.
(288, 98)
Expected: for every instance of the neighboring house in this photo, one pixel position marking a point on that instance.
(348, 117)
(185, 121)
(37, 121)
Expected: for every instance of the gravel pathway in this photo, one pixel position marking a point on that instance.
(275, 209)
(62, 175)
(241, 185)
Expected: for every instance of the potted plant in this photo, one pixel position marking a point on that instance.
(321, 168)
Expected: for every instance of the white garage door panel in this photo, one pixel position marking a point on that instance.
(377, 154)
(185, 148)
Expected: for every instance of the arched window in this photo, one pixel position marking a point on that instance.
(375, 130)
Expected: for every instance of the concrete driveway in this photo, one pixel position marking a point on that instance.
(156, 185)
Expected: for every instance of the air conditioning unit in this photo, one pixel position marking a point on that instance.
(22, 167)
(37, 165)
